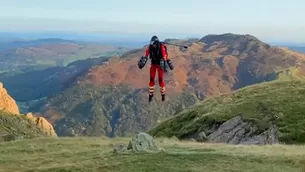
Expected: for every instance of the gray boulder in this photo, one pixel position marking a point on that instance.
(143, 142)
(119, 147)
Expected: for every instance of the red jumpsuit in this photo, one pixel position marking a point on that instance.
(155, 66)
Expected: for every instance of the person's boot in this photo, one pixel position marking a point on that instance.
(163, 97)
(150, 97)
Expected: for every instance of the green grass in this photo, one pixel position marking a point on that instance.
(95, 154)
(18, 127)
(280, 102)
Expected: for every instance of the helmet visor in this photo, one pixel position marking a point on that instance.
(154, 43)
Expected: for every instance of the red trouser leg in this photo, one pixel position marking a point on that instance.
(161, 80)
(152, 74)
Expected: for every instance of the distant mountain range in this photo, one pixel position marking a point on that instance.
(21, 43)
(113, 39)
(130, 41)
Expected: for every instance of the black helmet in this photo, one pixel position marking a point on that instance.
(154, 39)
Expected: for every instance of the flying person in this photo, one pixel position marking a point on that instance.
(157, 52)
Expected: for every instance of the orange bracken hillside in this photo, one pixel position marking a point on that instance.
(190, 67)
(216, 64)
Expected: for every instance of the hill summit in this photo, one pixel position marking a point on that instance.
(230, 38)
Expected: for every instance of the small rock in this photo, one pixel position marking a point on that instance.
(161, 149)
(7, 138)
(119, 147)
(163, 141)
(201, 137)
(193, 140)
(174, 138)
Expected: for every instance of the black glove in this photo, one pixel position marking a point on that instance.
(142, 62)
(170, 65)
(163, 65)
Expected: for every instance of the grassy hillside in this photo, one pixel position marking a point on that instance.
(280, 102)
(95, 155)
(17, 127)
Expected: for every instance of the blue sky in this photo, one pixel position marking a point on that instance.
(266, 19)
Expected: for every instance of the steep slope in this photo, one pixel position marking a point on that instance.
(110, 110)
(18, 126)
(277, 104)
(113, 96)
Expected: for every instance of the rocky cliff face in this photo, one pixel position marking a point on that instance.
(237, 131)
(9, 106)
(7, 103)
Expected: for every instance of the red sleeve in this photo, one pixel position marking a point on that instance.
(147, 52)
(164, 54)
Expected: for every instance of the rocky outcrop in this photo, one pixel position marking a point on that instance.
(7, 103)
(237, 131)
(43, 124)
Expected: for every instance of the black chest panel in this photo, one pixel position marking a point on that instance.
(155, 54)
